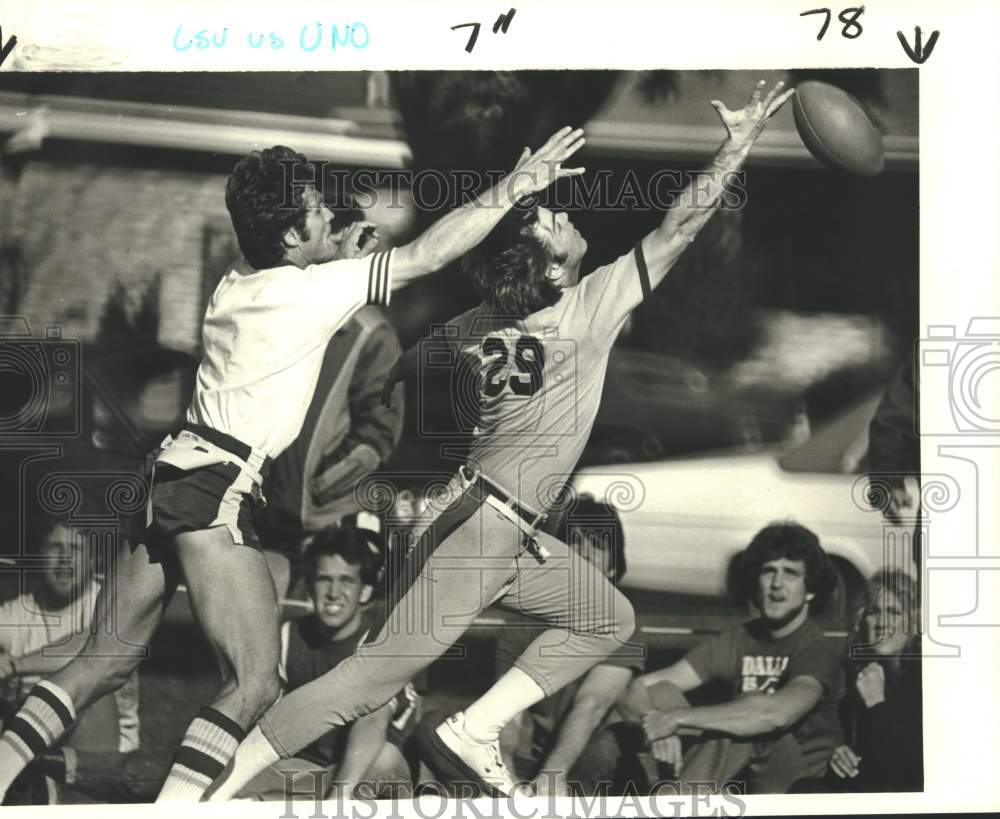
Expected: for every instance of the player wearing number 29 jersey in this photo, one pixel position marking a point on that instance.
(530, 387)
(530, 367)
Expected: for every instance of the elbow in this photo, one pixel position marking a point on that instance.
(423, 259)
(774, 719)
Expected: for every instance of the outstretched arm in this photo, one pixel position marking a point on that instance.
(744, 717)
(612, 292)
(464, 228)
(699, 199)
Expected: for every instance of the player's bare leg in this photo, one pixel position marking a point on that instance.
(128, 610)
(232, 596)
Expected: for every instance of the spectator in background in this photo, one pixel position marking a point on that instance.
(550, 741)
(781, 724)
(342, 569)
(42, 629)
(882, 712)
(347, 432)
(894, 450)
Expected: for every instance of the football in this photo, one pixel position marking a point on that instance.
(836, 129)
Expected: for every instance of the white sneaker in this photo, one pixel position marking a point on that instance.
(479, 761)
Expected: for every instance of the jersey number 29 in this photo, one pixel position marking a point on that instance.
(525, 378)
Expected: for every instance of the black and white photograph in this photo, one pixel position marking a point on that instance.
(486, 434)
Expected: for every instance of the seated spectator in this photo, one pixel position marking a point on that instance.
(881, 714)
(44, 627)
(550, 741)
(781, 723)
(342, 567)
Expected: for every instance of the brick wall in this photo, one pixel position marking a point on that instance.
(76, 228)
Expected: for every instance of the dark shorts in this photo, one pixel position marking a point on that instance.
(197, 485)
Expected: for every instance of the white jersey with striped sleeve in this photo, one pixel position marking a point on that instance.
(530, 388)
(263, 340)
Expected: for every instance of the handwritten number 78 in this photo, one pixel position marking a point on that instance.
(849, 17)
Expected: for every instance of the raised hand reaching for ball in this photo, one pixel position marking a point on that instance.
(746, 124)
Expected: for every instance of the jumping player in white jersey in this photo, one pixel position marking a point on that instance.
(539, 346)
(267, 325)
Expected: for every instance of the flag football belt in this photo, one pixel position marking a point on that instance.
(507, 504)
(255, 460)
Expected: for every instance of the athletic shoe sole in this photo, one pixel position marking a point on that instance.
(447, 765)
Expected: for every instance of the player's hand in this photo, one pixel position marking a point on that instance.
(871, 684)
(534, 172)
(359, 239)
(659, 725)
(745, 125)
(844, 762)
(668, 750)
(550, 783)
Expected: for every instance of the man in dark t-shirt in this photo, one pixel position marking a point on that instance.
(785, 678)
(342, 567)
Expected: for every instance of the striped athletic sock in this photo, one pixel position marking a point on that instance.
(208, 745)
(46, 715)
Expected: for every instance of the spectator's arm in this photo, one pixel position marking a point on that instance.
(50, 659)
(671, 683)
(747, 716)
(680, 674)
(364, 741)
(599, 690)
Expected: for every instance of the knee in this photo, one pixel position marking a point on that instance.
(624, 619)
(260, 692)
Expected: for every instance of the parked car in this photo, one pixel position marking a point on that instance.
(656, 406)
(684, 519)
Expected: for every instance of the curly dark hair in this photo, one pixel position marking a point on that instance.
(264, 196)
(790, 541)
(590, 517)
(356, 546)
(510, 266)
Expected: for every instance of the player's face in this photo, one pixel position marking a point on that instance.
(323, 244)
(884, 625)
(338, 593)
(781, 592)
(565, 241)
(67, 568)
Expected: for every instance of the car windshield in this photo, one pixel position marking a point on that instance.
(839, 446)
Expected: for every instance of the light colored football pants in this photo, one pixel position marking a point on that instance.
(470, 556)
